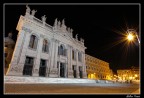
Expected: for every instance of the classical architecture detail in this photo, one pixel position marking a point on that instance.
(28, 9)
(76, 36)
(44, 18)
(33, 12)
(26, 29)
(97, 69)
(46, 51)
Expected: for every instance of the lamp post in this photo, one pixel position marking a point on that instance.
(131, 33)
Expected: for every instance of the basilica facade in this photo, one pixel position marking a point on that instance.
(46, 51)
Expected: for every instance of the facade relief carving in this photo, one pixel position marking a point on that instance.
(16, 69)
(54, 72)
(26, 29)
(36, 70)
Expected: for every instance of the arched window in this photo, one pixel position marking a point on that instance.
(79, 56)
(61, 50)
(33, 42)
(45, 47)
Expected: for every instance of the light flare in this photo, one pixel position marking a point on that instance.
(130, 37)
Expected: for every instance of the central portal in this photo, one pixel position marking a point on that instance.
(42, 68)
(28, 66)
(74, 70)
(62, 69)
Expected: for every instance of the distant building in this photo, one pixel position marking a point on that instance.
(47, 51)
(8, 50)
(97, 69)
(132, 73)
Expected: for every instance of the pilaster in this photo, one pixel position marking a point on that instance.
(37, 59)
(84, 66)
(70, 71)
(18, 58)
(53, 68)
(77, 67)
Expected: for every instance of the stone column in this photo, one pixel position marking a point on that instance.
(37, 59)
(66, 70)
(58, 69)
(53, 68)
(70, 71)
(56, 53)
(77, 67)
(18, 58)
(84, 66)
(51, 57)
(49, 62)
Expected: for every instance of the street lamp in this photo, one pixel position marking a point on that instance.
(131, 33)
(130, 37)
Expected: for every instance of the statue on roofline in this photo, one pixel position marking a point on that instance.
(33, 12)
(76, 36)
(27, 9)
(44, 18)
(59, 24)
(63, 22)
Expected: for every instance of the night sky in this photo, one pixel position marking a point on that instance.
(99, 25)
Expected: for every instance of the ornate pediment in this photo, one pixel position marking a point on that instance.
(61, 28)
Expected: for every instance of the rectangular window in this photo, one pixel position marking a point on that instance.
(43, 63)
(73, 54)
(28, 66)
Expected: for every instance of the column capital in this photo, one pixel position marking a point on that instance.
(55, 40)
(69, 46)
(77, 50)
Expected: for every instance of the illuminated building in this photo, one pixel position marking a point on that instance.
(129, 74)
(97, 69)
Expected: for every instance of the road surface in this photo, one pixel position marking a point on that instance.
(68, 89)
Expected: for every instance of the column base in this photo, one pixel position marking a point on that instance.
(54, 73)
(78, 76)
(85, 75)
(15, 70)
(70, 74)
(35, 72)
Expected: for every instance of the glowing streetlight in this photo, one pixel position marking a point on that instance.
(131, 34)
(130, 37)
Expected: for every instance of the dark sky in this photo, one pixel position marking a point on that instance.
(100, 25)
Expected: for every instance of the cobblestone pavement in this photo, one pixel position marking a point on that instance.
(68, 89)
